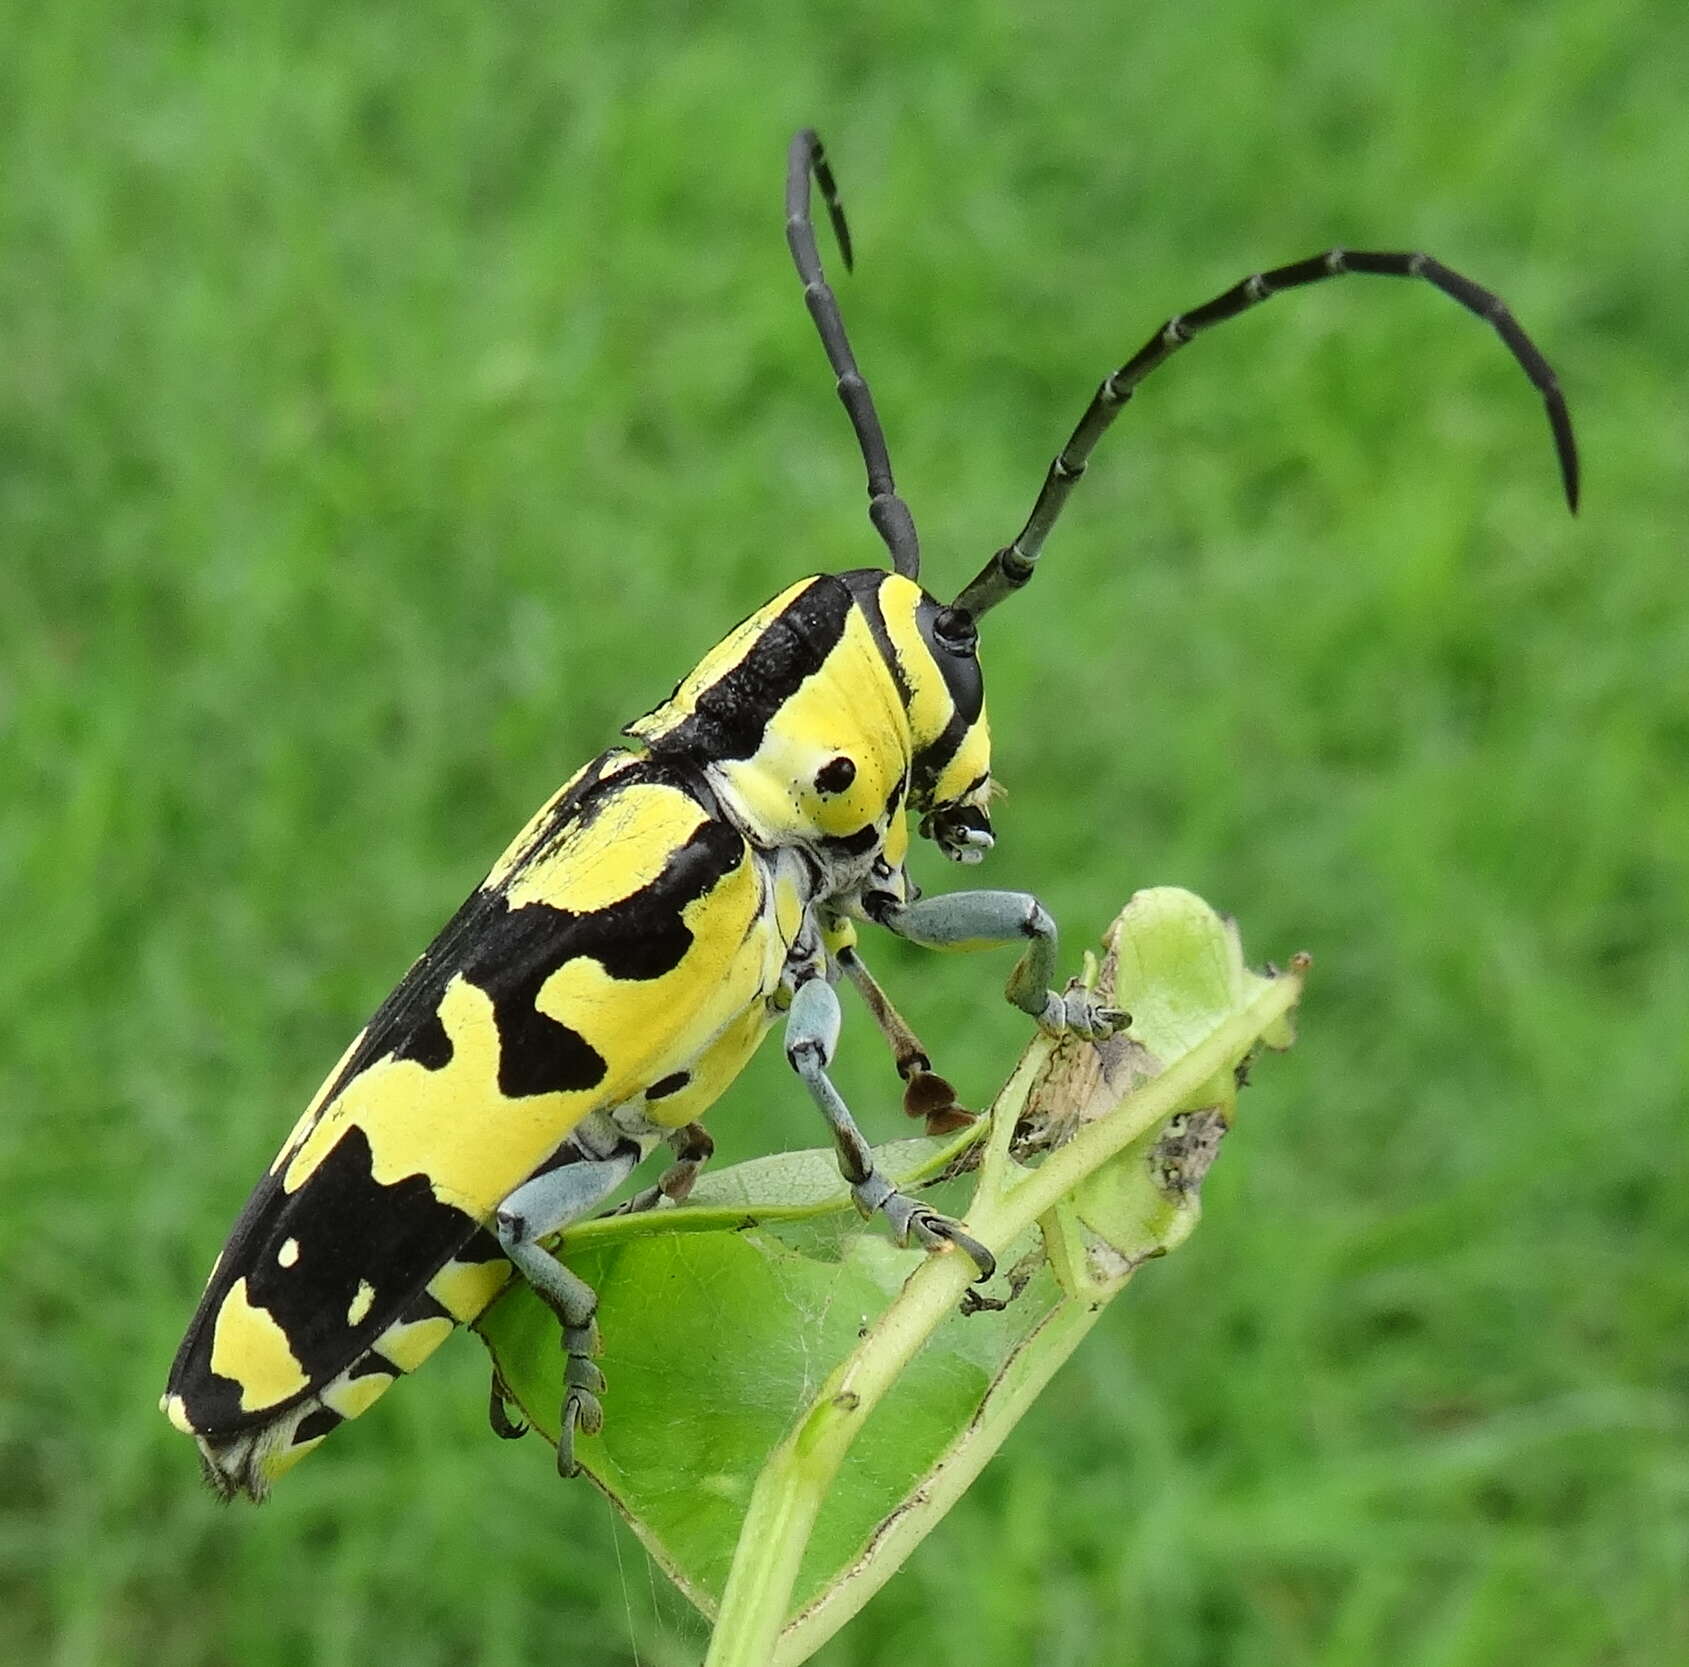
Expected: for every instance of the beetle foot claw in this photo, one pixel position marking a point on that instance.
(1079, 1013)
(502, 1411)
(583, 1383)
(913, 1223)
(582, 1411)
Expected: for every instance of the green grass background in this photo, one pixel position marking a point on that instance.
(396, 399)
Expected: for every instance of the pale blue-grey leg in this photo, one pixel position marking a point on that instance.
(534, 1211)
(812, 1034)
(692, 1148)
(981, 919)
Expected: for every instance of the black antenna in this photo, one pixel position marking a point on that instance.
(1012, 566)
(890, 515)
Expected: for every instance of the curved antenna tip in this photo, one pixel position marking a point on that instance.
(1565, 448)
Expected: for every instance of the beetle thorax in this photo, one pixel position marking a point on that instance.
(822, 719)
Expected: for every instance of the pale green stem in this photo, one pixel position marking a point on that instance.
(1006, 1404)
(795, 1481)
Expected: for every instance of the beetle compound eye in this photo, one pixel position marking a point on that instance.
(835, 775)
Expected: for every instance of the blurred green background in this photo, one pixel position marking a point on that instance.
(399, 398)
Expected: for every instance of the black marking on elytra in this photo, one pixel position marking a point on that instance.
(349, 1228)
(482, 1247)
(367, 1366)
(663, 1087)
(425, 1306)
(835, 775)
(575, 807)
(732, 715)
(636, 939)
(511, 953)
(315, 1424)
(537, 1054)
(427, 1045)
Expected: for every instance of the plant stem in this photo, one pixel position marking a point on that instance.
(1029, 1370)
(793, 1485)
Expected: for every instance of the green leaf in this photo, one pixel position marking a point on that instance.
(1178, 968)
(711, 1343)
(758, 1334)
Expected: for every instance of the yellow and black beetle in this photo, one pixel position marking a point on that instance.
(627, 953)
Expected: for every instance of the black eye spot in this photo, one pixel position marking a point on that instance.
(835, 775)
(661, 1090)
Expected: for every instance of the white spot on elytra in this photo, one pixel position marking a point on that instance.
(289, 1253)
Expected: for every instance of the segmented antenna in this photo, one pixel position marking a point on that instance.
(890, 515)
(1012, 566)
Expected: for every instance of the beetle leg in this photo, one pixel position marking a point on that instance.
(535, 1210)
(925, 1093)
(980, 919)
(692, 1148)
(812, 1033)
(502, 1411)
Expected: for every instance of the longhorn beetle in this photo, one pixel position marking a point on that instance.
(627, 953)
